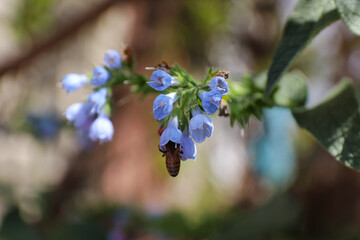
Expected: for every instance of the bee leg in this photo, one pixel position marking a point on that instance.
(164, 152)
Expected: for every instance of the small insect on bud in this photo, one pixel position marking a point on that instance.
(223, 109)
(222, 73)
(161, 66)
(128, 53)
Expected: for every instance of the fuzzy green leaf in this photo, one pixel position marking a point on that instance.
(350, 13)
(307, 20)
(292, 91)
(246, 97)
(336, 124)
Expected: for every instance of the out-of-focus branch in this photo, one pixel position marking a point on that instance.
(45, 44)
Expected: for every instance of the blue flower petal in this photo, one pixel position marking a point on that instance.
(96, 101)
(73, 81)
(220, 85)
(112, 59)
(100, 76)
(72, 111)
(200, 127)
(83, 119)
(102, 129)
(78, 114)
(163, 105)
(210, 101)
(188, 148)
(160, 80)
(170, 134)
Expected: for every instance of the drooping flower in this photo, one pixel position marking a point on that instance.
(171, 133)
(101, 129)
(112, 59)
(72, 111)
(200, 126)
(73, 81)
(220, 85)
(188, 147)
(210, 100)
(100, 76)
(160, 80)
(96, 101)
(78, 114)
(163, 105)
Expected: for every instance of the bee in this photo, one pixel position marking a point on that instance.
(172, 158)
(222, 73)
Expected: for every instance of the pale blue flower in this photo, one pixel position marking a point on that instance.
(78, 114)
(160, 80)
(171, 133)
(72, 111)
(83, 119)
(112, 59)
(188, 147)
(96, 101)
(73, 81)
(100, 76)
(101, 129)
(200, 126)
(210, 100)
(163, 105)
(220, 85)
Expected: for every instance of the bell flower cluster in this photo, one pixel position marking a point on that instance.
(184, 107)
(91, 118)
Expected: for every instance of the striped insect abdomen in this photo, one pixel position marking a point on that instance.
(172, 160)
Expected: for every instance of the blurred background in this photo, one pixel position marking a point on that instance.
(269, 180)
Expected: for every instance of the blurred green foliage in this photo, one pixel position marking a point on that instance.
(199, 21)
(33, 17)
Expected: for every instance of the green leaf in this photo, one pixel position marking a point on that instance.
(307, 20)
(292, 91)
(14, 228)
(336, 124)
(350, 13)
(246, 97)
